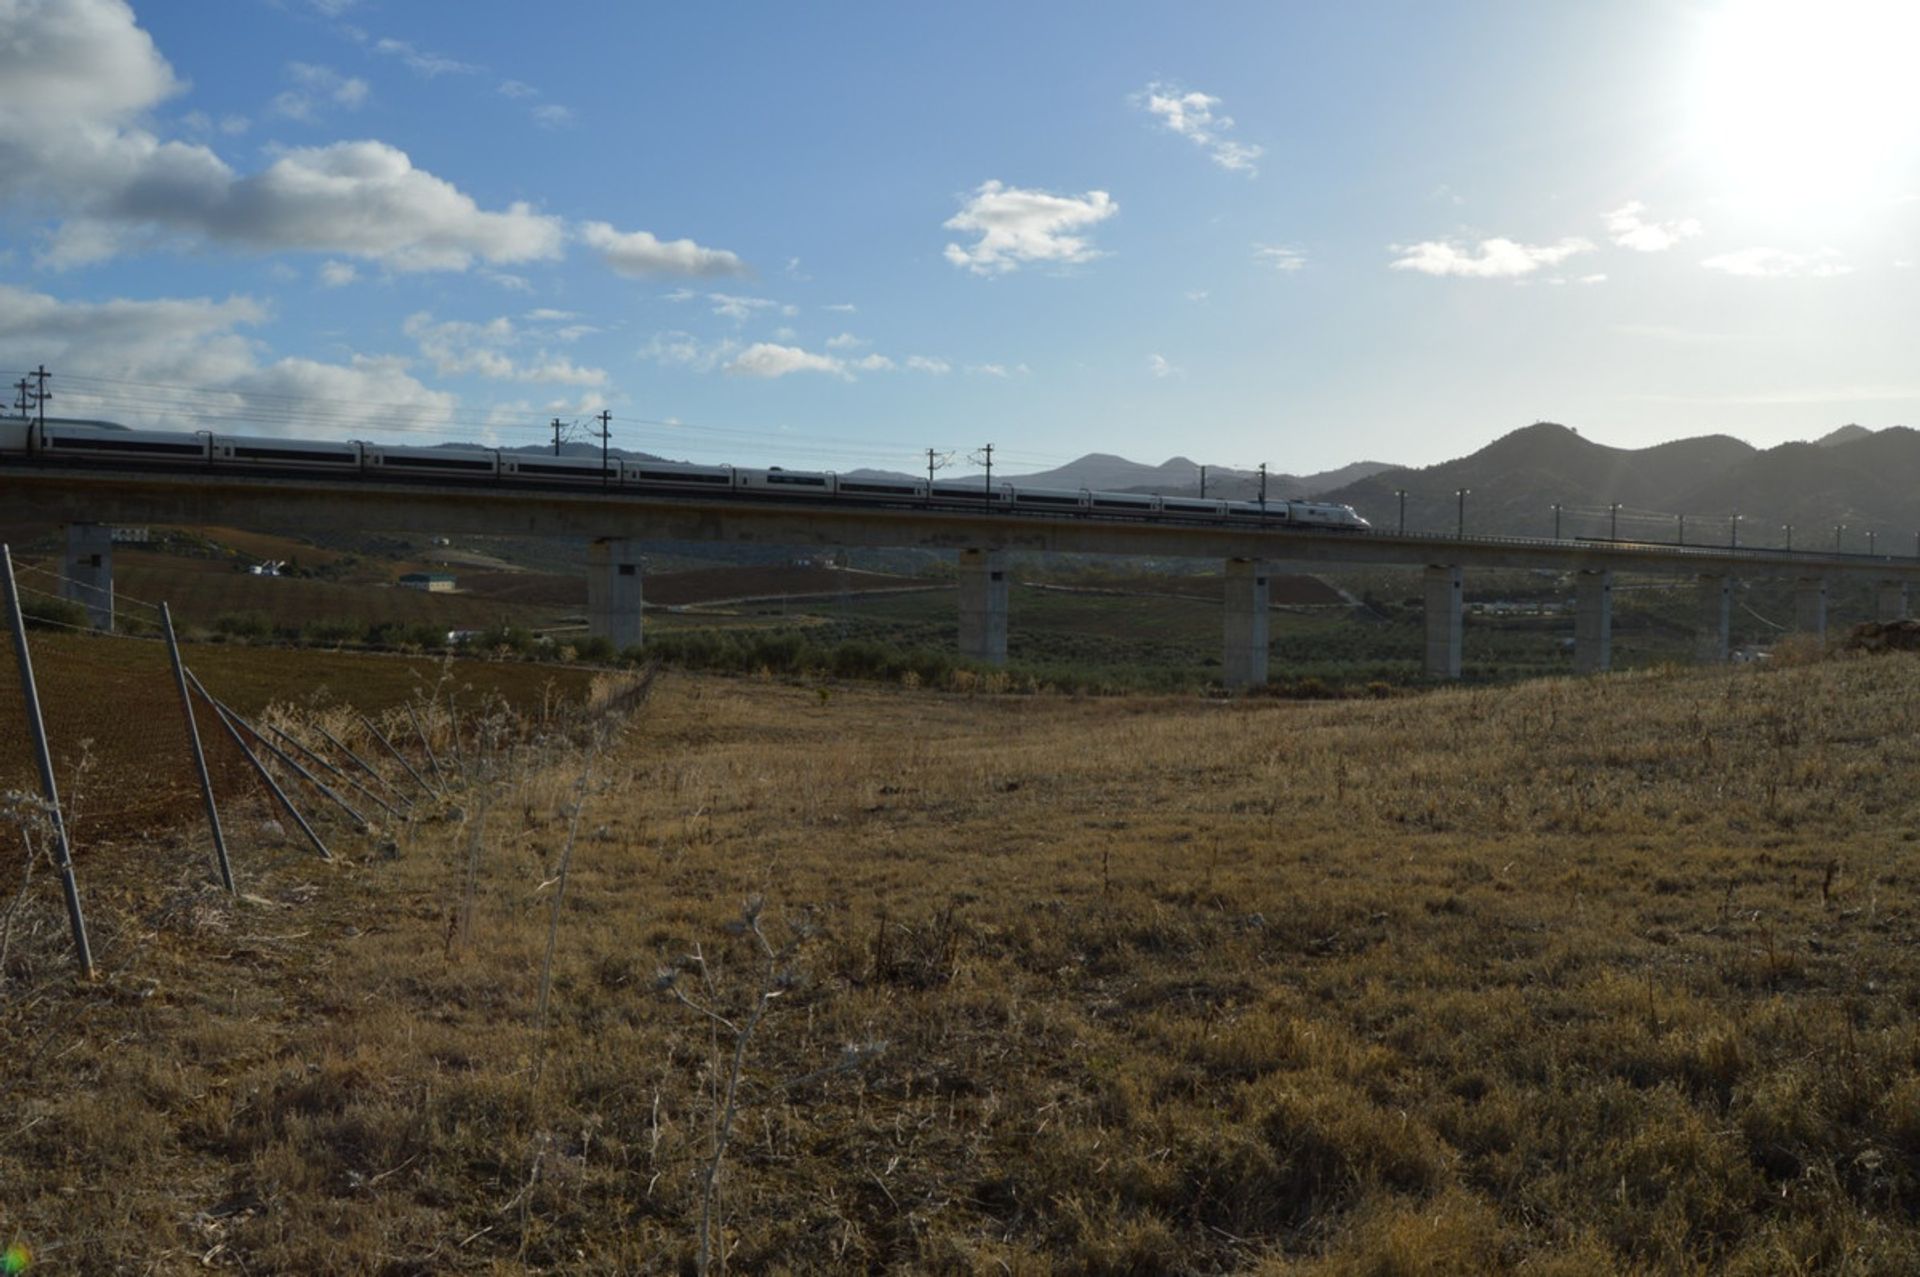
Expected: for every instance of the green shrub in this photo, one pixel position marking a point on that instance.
(252, 626)
(40, 612)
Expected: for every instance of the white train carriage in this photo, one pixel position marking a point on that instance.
(383, 461)
(87, 442)
(1273, 512)
(785, 483)
(1192, 507)
(536, 467)
(1138, 503)
(261, 452)
(1050, 498)
(1321, 514)
(969, 492)
(873, 489)
(676, 474)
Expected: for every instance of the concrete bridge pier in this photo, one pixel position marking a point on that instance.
(983, 606)
(1593, 622)
(1810, 606)
(1893, 601)
(1444, 597)
(1713, 642)
(1245, 660)
(87, 574)
(614, 591)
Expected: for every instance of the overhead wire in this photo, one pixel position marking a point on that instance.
(240, 408)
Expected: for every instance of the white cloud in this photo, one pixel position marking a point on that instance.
(1284, 260)
(1159, 367)
(1593, 279)
(427, 64)
(517, 89)
(1775, 263)
(1017, 226)
(338, 274)
(200, 124)
(74, 78)
(637, 253)
(932, 364)
(765, 359)
(314, 87)
(683, 350)
(1198, 295)
(548, 315)
(847, 341)
(1494, 259)
(552, 115)
(873, 363)
(195, 342)
(1191, 115)
(457, 347)
(840, 308)
(1628, 229)
(740, 309)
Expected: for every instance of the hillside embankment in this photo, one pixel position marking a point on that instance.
(1566, 977)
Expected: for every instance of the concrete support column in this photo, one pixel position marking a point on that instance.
(1713, 642)
(1593, 622)
(1443, 621)
(1245, 662)
(1810, 606)
(88, 571)
(983, 606)
(614, 591)
(1892, 596)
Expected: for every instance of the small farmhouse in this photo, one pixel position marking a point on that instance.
(432, 582)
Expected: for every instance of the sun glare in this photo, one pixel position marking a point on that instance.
(1799, 105)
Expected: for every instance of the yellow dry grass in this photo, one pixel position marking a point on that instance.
(1570, 977)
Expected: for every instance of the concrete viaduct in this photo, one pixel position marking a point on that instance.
(616, 522)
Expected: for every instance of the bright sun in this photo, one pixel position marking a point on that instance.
(1800, 104)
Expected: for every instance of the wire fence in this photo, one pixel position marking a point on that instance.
(119, 743)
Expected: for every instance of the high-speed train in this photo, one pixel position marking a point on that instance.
(102, 443)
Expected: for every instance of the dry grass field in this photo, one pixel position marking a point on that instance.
(1571, 977)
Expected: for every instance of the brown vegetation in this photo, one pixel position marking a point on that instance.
(1569, 977)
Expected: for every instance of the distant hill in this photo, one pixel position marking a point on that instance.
(1857, 477)
(1179, 476)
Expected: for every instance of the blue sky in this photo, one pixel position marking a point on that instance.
(840, 235)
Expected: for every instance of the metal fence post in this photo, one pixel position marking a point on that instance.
(260, 769)
(199, 755)
(418, 778)
(62, 854)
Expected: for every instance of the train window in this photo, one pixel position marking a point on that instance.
(436, 463)
(676, 476)
(802, 480)
(292, 454)
(126, 445)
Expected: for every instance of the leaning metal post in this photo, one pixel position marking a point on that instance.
(295, 741)
(199, 756)
(260, 769)
(418, 778)
(426, 745)
(363, 764)
(292, 763)
(63, 858)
